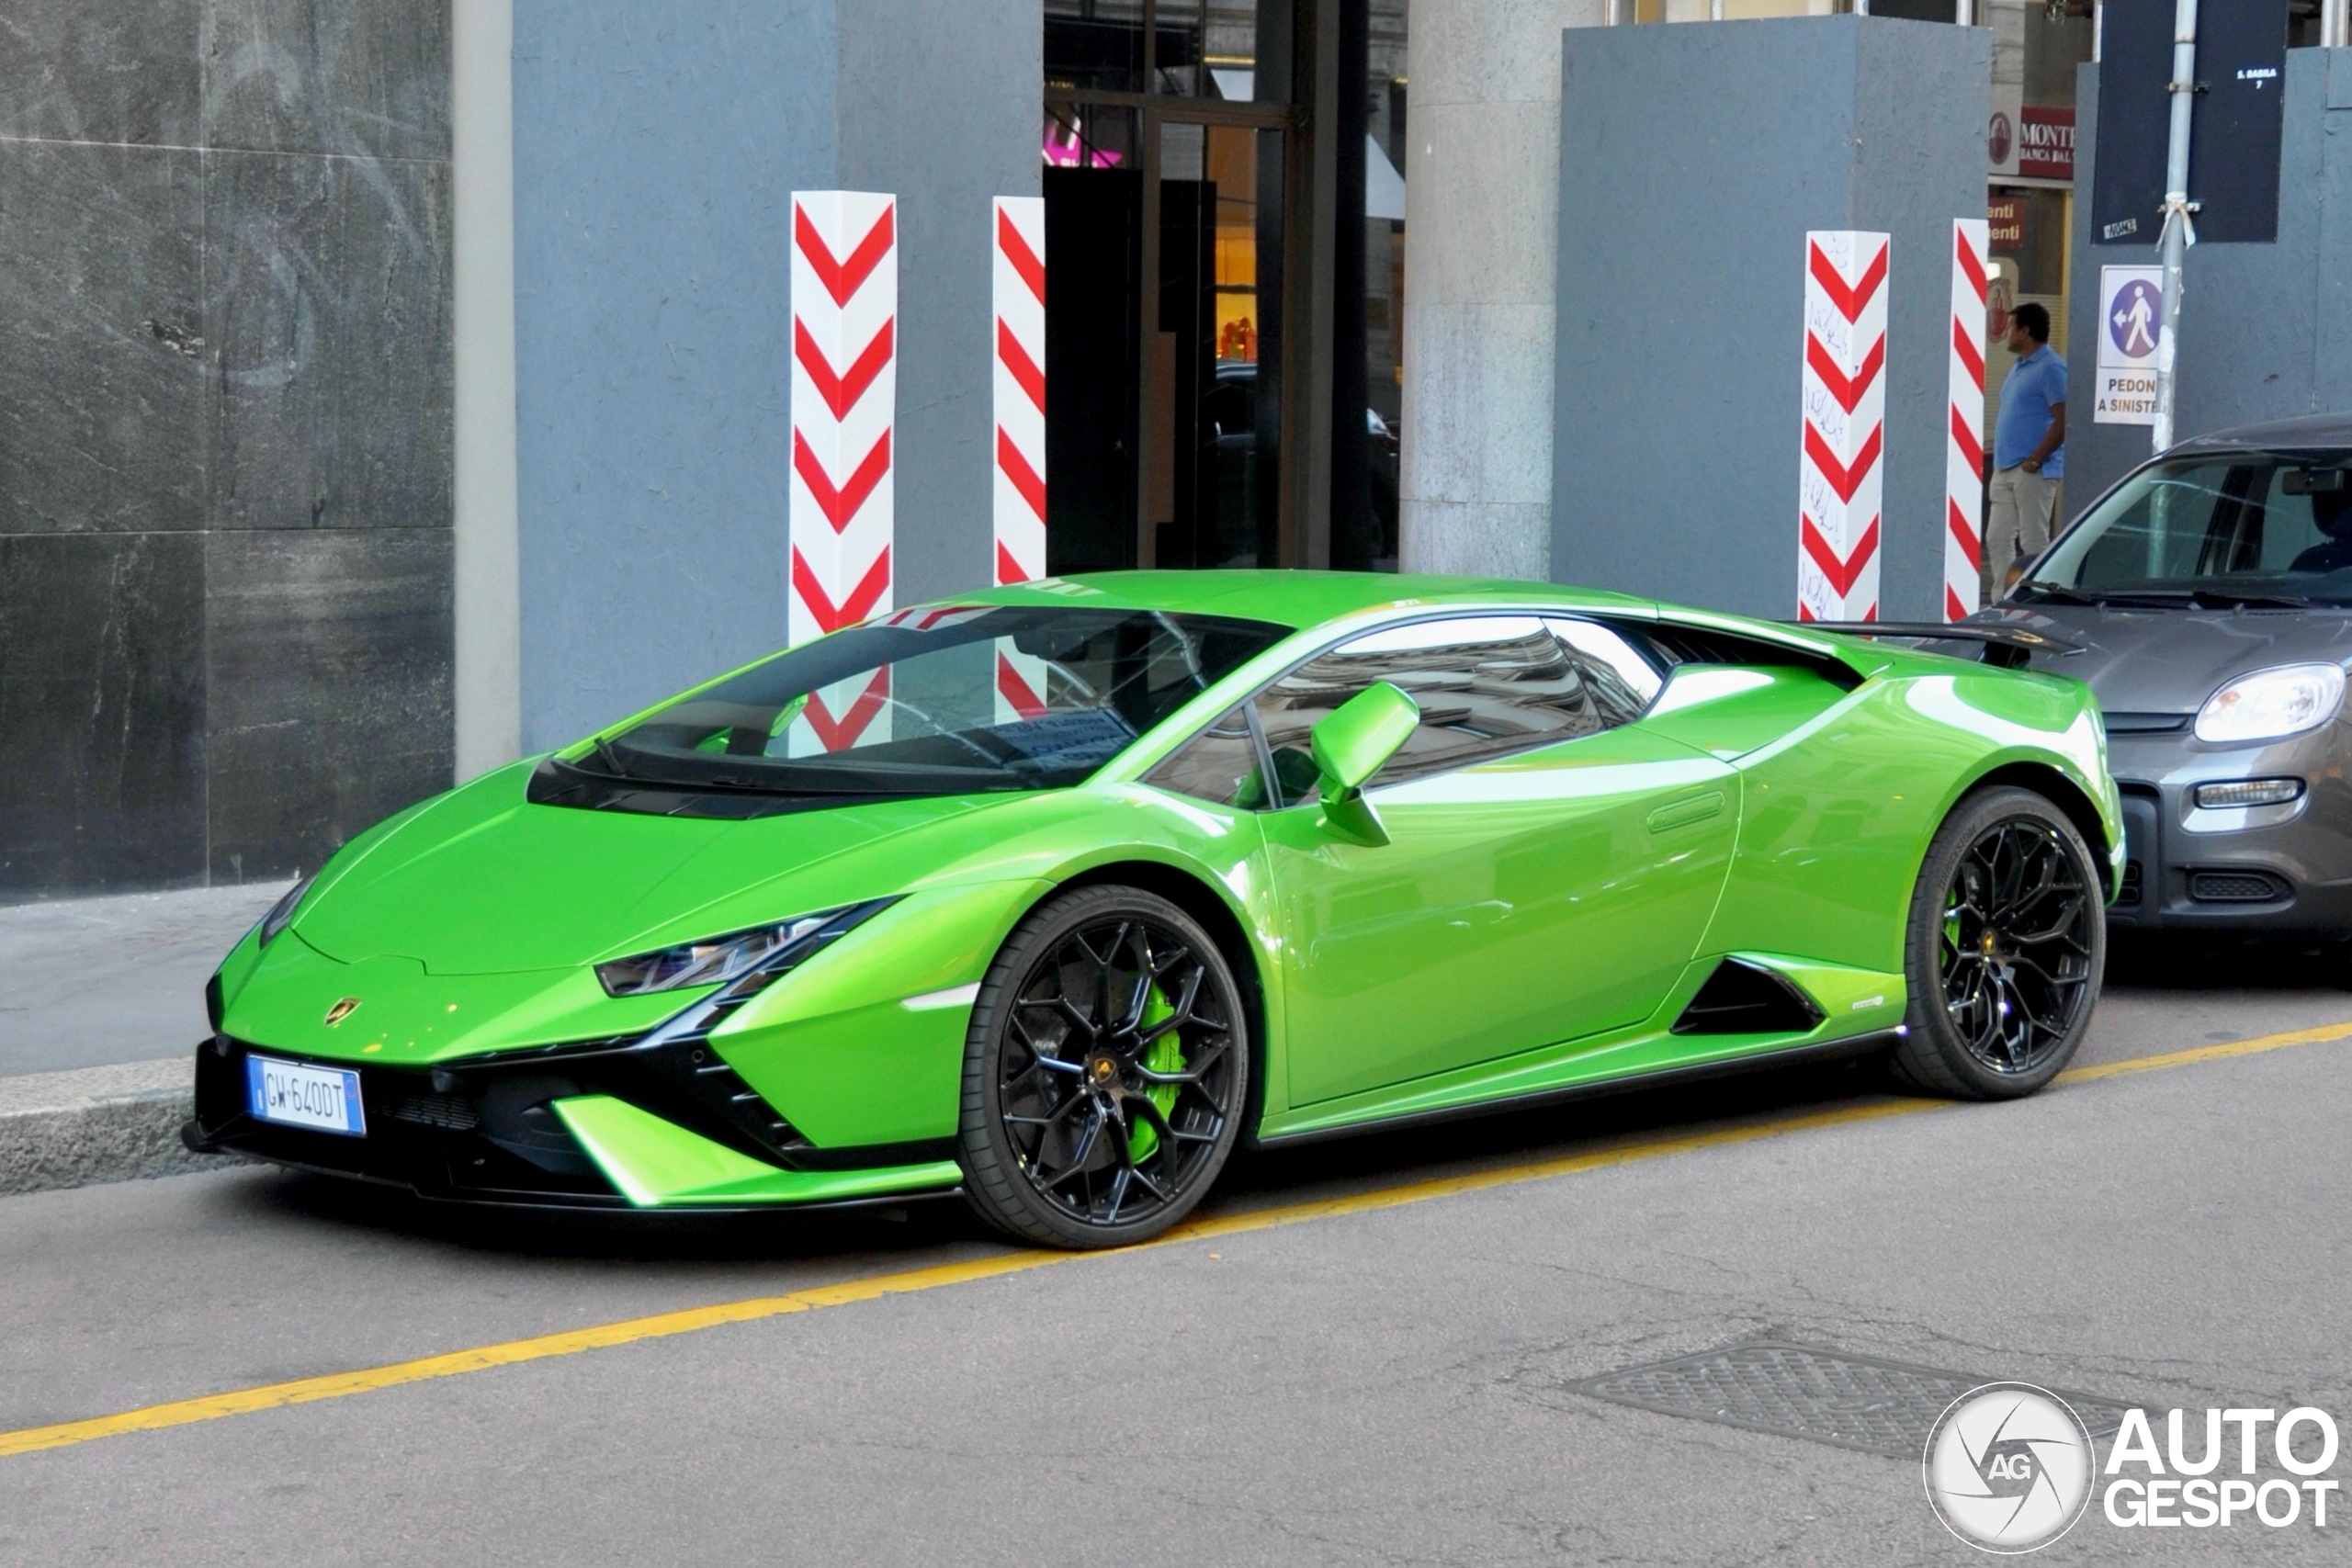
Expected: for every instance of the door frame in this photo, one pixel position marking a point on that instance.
(1309, 247)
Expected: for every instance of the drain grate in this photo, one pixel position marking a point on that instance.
(1804, 1390)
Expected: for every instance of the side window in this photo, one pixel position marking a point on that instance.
(1220, 764)
(1487, 687)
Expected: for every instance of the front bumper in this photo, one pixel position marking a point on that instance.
(2265, 869)
(500, 1129)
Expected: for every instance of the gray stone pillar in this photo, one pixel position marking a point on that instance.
(1481, 202)
(656, 147)
(1693, 160)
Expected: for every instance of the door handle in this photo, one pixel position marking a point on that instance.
(1691, 808)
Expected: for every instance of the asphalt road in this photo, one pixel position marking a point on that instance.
(1376, 1384)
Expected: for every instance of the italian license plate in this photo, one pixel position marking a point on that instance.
(325, 1100)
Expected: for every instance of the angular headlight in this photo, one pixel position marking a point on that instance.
(716, 960)
(281, 914)
(2270, 704)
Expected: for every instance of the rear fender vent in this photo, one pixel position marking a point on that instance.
(1747, 998)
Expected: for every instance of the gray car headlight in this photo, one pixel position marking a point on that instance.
(281, 914)
(2271, 705)
(715, 961)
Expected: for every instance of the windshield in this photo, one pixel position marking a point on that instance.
(927, 702)
(2245, 527)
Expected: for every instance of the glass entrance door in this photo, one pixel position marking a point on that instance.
(1211, 372)
(1167, 131)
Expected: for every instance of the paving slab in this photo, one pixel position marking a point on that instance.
(90, 982)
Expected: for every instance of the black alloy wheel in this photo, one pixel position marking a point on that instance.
(1105, 1073)
(2008, 945)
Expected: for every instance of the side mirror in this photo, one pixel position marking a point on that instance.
(1351, 745)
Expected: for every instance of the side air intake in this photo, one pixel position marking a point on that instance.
(1747, 998)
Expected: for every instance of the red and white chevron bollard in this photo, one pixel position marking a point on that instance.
(1964, 458)
(1018, 235)
(1020, 295)
(844, 400)
(1839, 480)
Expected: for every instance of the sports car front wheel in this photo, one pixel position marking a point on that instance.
(1105, 1073)
(2008, 943)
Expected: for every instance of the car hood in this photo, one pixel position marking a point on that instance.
(2169, 661)
(480, 881)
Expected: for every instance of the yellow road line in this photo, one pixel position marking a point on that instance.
(661, 1325)
(2228, 1048)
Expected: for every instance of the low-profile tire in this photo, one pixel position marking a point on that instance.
(1105, 1074)
(2006, 946)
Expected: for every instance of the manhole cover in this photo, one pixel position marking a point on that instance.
(1804, 1391)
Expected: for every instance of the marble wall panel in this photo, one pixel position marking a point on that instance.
(365, 77)
(101, 712)
(119, 70)
(327, 294)
(328, 668)
(225, 434)
(103, 342)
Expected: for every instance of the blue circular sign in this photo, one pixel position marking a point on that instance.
(2136, 318)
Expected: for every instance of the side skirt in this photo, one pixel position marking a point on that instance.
(1790, 1056)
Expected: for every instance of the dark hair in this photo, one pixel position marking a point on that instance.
(2034, 320)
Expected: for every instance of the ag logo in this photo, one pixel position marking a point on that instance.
(2009, 1467)
(342, 1010)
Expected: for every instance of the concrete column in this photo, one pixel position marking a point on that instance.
(1481, 206)
(657, 144)
(488, 687)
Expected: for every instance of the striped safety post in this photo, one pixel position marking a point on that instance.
(1018, 237)
(1845, 424)
(844, 399)
(1964, 456)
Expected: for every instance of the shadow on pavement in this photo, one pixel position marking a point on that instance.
(2170, 963)
(913, 1233)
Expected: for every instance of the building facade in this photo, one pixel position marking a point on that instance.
(395, 389)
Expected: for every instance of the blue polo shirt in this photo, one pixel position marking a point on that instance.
(2035, 383)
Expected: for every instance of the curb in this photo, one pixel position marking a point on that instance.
(96, 1124)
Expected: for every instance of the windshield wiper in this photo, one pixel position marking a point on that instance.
(2226, 599)
(610, 758)
(2058, 593)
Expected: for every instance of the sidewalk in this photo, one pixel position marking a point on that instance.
(94, 982)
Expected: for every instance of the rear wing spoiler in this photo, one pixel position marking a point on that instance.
(2007, 647)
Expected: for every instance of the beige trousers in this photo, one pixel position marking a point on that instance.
(2018, 526)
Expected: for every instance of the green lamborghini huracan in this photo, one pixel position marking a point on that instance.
(1054, 894)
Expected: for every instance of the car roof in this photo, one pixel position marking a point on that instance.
(1300, 598)
(2309, 430)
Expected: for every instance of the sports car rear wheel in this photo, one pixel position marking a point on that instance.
(1105, 1072)
(2008, 943)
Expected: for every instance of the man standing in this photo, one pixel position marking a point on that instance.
(2029, 446)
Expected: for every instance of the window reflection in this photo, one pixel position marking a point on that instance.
(1094, 45)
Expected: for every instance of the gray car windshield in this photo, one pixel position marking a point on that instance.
(942, 700)
(2228, 528)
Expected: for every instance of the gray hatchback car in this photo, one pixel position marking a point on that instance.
(2209, 595)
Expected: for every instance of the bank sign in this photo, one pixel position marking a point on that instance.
(2131, 323)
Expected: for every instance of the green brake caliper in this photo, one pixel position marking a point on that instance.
(1165, 1056)
(1951, 928)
